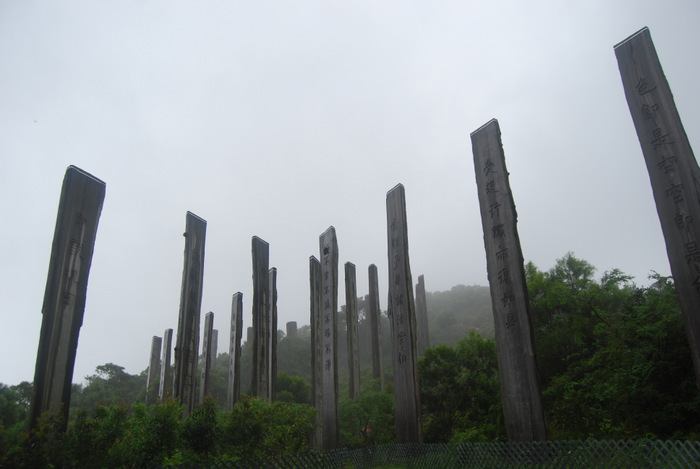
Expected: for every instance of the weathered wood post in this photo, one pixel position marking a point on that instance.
(375, 324)
(261, 319)
(187, 343)
(403, 320)
(214, 345)
(316, 322)
(292, 329)
(79, 211)
(520, 391)
(328, 245)
(351, 321)
(249, 336)
(422, 316)
(234, 351)
(165, 389)
(153, 375)
(673, 172)
(272, 334)
(204, 382)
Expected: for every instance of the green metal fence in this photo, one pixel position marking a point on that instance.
(546, 454)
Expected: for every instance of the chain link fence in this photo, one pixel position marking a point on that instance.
(545, 454)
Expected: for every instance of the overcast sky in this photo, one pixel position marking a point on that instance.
(278, 119)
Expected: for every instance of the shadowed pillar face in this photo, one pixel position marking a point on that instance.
(204, 386)
(403, 321)
(261, 319)
(520, 393)
(79, 209)
(152, 379)
(375, 325)
(316, 321)
(673, 172)
(187, 344)
(351, 320)
(166, 375)
(328, 245)
(234, 353)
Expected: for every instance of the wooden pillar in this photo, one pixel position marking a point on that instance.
(422, 316)
(520, 391)
(316, 322)
(375, 324)
(153, 375)
(673, 172)
(292, 329)
(403, 321)
(79, 211)
(261, 319)
(249, 337)
(272, 334)
(165, 389)
(205, 381)
(351, 321)
(187, 344)
(214, 345)
(234, 351)
(329, 306)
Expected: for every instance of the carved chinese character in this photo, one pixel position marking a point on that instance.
(667, 164)
(510, 320)
(497, 231)
(488, 167)
(493, 210)
(649, 110)
(402, 358)
(507, 299)
(692, 252)
(644, 86)
(503, 276)
(502, 254)
(682, 220)
(327, 332)
(676, 192)
(660, 138)
(327, 365)
(491, 187)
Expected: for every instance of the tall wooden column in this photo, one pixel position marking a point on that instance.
(403, 320)
(79, 211)
(329, 306)
(187, 344)
(153, 375)
(234, 351)
(214, 345)
(316, 321)
(272, 335)
(351, 322)
(375, 324)
(422, 316)
(673, 172)
(165, 388)
(520, 391)
(205, 381)
(261, 318)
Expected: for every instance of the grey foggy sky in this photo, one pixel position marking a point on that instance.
(278, 119)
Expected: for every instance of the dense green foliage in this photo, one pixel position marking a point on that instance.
(613, 359)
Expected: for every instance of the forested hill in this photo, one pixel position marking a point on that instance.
(453, 313)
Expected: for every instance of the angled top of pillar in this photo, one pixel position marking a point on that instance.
(257, 239)
(421, 278)
(643, 31)
(313, 259)
(196, 217)
(493, 121)
(330, 229)
(75, 171)
(273, 269)
(237, 294)
(398, 187)
(210, 313)
(349, 264)
(372, 266)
